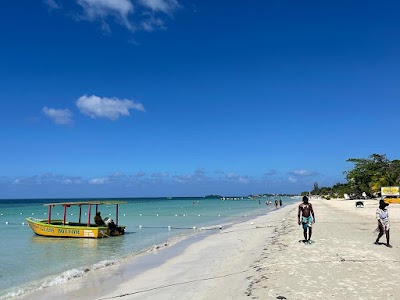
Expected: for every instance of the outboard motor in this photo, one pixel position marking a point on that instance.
(107, 221)
(112, 227)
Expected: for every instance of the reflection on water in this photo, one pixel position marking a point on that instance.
(77, 248)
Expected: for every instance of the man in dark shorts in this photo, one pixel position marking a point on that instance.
(306, 218)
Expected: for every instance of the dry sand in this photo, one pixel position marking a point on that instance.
(263, 259)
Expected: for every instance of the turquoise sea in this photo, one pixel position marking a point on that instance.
(29, 262)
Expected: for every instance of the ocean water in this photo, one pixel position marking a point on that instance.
(30, 262)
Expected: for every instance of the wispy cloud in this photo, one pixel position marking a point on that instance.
(197, 176)
(109, 108)
(47, 178)
(152, 184)
(52, 4)
(134, 15)
(103, 9)
(58, 116)
(302, 173)
(237, 178)
(152, 23)
(165, 6)
(98, 180)
(298, 175)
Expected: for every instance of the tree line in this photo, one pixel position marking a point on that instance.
(367, 176)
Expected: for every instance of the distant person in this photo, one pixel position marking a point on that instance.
(259, 201)
(276, 203)
(280, 202)
(382, 215)
(306, 218)
(98, 220)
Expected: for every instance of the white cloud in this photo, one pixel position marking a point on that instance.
(146, 15)
(302, 173)
(59, 116)
(109, 108)
(165, 6)
(48, 178)
(101, 9)
(98, 181)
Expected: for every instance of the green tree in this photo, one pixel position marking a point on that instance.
(339, 189)
(315, 190)
(365, 172)
(389, 176)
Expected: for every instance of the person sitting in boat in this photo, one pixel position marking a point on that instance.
(98, 220)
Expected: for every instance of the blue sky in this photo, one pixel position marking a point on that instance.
(129, 98)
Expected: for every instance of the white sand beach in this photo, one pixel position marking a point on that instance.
(262, 259)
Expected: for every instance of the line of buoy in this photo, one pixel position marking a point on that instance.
(176, 215)
(169, 227)
(8, 223)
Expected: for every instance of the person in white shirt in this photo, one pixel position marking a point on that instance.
(382, 215)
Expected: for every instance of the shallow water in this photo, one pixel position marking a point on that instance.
(29, 262)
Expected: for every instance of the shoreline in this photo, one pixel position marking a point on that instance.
(129, 267)
(261, 258)
(37, 271)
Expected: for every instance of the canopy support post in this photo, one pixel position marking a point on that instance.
(89, 209)
(116, 214)
(49, 214)
(65, 214)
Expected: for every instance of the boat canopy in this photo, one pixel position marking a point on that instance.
(77, 203)
(85, 203)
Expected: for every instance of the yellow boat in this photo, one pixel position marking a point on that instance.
(392, 200)
(80, 229)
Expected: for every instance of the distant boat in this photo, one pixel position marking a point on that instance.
(63, 228)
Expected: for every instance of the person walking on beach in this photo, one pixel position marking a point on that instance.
(382, 215)
(306, 218)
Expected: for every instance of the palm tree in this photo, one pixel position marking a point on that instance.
(383, 179)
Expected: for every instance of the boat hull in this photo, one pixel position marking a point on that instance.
(74, 230)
